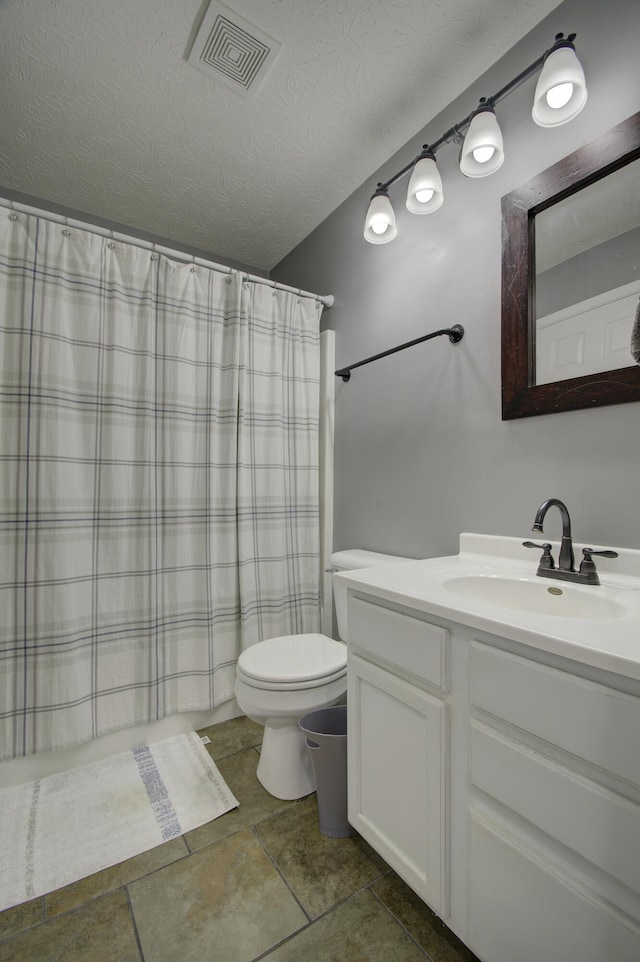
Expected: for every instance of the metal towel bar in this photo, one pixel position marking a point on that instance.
(455, 334)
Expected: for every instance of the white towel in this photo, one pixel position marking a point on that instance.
(635, 337)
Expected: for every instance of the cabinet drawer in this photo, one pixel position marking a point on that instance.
(413, 645)
(593, 722)
(598, 824)
(523, 908)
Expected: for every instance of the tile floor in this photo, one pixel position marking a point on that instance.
(260, 882)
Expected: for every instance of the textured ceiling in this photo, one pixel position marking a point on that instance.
(100, 111)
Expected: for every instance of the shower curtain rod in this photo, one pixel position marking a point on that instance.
(455, 334)
(327, 300)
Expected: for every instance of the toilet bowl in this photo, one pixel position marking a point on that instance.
(277, 682)
(280, 679)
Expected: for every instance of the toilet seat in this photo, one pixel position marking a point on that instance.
(293, 662)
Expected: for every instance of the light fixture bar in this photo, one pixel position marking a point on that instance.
(456, 133)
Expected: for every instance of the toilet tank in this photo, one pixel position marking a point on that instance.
(352, 560)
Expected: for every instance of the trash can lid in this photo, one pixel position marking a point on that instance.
(291, 658)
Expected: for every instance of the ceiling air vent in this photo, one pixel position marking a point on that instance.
(232, 50)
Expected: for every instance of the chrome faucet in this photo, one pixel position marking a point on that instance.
(587, 575)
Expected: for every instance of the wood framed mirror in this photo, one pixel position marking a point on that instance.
(571, 280)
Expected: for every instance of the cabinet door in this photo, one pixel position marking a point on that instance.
(397, 740)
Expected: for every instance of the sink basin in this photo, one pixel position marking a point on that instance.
(540, 597)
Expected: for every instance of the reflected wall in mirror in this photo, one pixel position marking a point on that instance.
(571, 280)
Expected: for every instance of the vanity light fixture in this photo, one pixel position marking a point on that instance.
(561, 91)
(482, 152)
(560, 95)
(424, 193)
(380, 225)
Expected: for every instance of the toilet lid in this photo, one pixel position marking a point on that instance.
(294, 658)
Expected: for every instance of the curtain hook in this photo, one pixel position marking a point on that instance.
(12, 215)
(194, 269)
(154, 255)
(111, 243)
(65, 230)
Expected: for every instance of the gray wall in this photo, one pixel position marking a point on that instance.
(421, 453)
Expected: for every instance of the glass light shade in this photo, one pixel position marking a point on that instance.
(424, 193)
(561, 69)
(380, 222)
(482, 151)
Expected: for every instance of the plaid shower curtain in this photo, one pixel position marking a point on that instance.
(158, 481)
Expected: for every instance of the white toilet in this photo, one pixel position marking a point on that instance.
(281, 679)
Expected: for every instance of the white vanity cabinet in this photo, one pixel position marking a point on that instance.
(502, 783)
(398, 743)
(554, 811)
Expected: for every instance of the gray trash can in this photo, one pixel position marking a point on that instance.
(326, 740)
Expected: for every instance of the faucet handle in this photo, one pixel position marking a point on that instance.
(546, 561)
(588, 565)
(587, 552)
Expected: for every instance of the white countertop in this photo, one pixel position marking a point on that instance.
(609, 643)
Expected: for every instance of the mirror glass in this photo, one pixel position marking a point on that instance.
(571, 280)
(587, 278)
